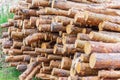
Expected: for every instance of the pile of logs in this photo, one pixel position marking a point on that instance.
(64, 39)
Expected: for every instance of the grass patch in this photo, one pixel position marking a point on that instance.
(9, 73)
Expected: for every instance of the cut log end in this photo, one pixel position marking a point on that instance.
(92, 60)
(100, 26)
(87, 48)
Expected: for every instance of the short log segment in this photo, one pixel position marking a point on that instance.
(60, 72)
(83, 69)
(110, 60)
(66, 63)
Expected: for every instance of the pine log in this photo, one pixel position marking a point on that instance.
(90, 78)
(17, 44)
(41, 12)
(14, 64)
(60, 72)
(101, 47)
(42, 59)
(31, 53)
(14, 58)
(33, 20)
(66, 63)
(27, 58)
(5, 34)
(44, 28)
(66, 5)
(7, 43)
(58, 49)
(77, 55)
(54, 11)
(40, 21)
(93, 19)
(80, 44)
(84, 58)
(46, 70)
(116, 34)
(27, 48)
(15, 52)
(83, 69)
(21, 67)
(82, 36)
(110, 60)
(29, 31)
(56, 27)
(40, 50)
(54, 57)
(33, 72)
(59, 41)
(43, 76)
(34, 37)
(105, 25)
(96, 36)
(26, 24)
(71, 29)
(17, 35)
(28, 12)
(17, 17)
(28, 1)
(55, 64)
(28, 70)
(68, 39)
(64, 20)
(74, 78)
(63, 78)
(109, 74)
(44, 3)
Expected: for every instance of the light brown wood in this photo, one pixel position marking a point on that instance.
(109, 74)
(83, 69)
(66, 63)
(101, 47)
(55, 64)
(102, 61)
(90, 78)
(60, 72)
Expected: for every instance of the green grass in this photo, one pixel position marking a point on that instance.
(9, 73)
(6, 73)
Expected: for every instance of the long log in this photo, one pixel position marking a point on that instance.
(54, 11)
(26, 48)
(74, 78)
(42, 59)
(68, 39)
(17, 35)
(110, 60)
(93, 19)
(42, 76)
(40, 50)
(96, 36)
(66, 63)
(54, 57)
(90, 78)
(14, 58)
(28, 71)
(60, 72)
(15, 52)
(105, 25)
(101, 47)
(109, 74)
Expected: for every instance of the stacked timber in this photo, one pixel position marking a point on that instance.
(64, 39)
